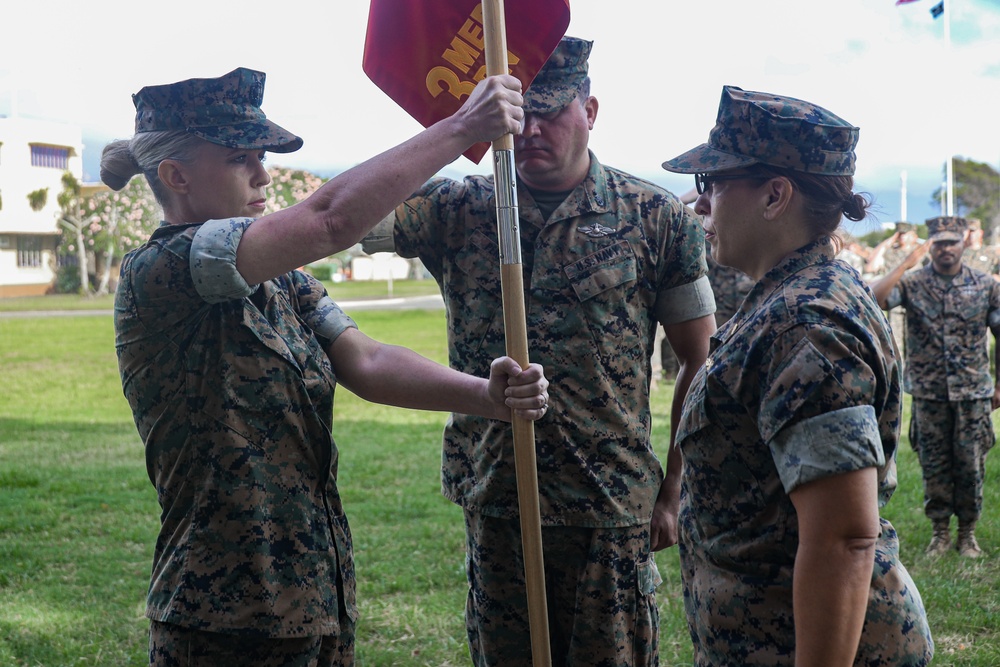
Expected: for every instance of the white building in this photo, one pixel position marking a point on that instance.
(34, 154)
(380, 266)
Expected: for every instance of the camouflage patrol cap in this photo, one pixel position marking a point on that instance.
(946, 228)
(779, 131)
(905, 227)
(557, 83)
(224, 111)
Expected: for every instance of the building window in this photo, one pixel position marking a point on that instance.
(29, 252)
(55, 157)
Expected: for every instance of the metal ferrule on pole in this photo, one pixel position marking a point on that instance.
(506, 196)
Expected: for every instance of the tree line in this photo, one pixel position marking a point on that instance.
(99, 227)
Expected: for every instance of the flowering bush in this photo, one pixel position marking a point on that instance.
(289, 187)
(121, 220)
(109, 224)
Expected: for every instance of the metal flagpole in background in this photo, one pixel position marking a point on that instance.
(902, 196)
(515, 328)
(949, 165)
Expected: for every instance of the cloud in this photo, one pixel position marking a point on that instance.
(658, 69)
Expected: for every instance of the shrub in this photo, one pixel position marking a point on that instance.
(321, 272)
(67, 279)
(38, 198)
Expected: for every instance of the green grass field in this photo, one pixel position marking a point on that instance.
(78, 516)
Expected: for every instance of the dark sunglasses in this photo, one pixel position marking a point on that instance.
(703, 182)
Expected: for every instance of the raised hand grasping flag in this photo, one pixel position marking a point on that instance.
(427, 55)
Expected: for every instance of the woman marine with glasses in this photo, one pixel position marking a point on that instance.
(789, 432)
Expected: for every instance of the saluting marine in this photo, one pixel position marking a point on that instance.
(950, 308)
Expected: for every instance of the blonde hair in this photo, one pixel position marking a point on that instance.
(142, 154)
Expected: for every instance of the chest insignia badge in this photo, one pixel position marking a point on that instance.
(596, 230)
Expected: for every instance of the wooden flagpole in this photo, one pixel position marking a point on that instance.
(515, 328)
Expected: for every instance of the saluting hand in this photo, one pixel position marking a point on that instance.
(916, 255)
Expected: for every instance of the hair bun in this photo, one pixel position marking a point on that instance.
(112, 180)
(118, 165)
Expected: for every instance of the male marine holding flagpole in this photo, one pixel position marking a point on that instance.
(606, 257)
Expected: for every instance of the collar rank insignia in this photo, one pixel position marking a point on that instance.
(596, 230)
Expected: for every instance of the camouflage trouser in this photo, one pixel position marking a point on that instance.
(174, 646)
(952, 439)
(600, 593)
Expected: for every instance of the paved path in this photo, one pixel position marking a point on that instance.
(429, 302)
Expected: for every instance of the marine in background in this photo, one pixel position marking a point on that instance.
(950, 310)
(977, 255)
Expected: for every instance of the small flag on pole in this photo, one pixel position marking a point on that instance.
(938, 9)
(428, 55)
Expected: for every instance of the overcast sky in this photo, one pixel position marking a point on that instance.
(658, 67)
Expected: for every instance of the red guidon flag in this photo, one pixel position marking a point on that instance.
(428, 55)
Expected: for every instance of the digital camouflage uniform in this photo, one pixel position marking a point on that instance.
(895, 254)
(618, 255)
(948, 375)
(232, 394)
(852, 257)
(800, 384)
(175, 646)
(984, 258)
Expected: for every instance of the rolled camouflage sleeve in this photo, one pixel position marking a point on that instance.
(421, 221)
(380, 238)
(832, 443)
(816, 414)
(213, 260)
(685, 292)
(685, 252)
(686, 302)
(318, 310)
